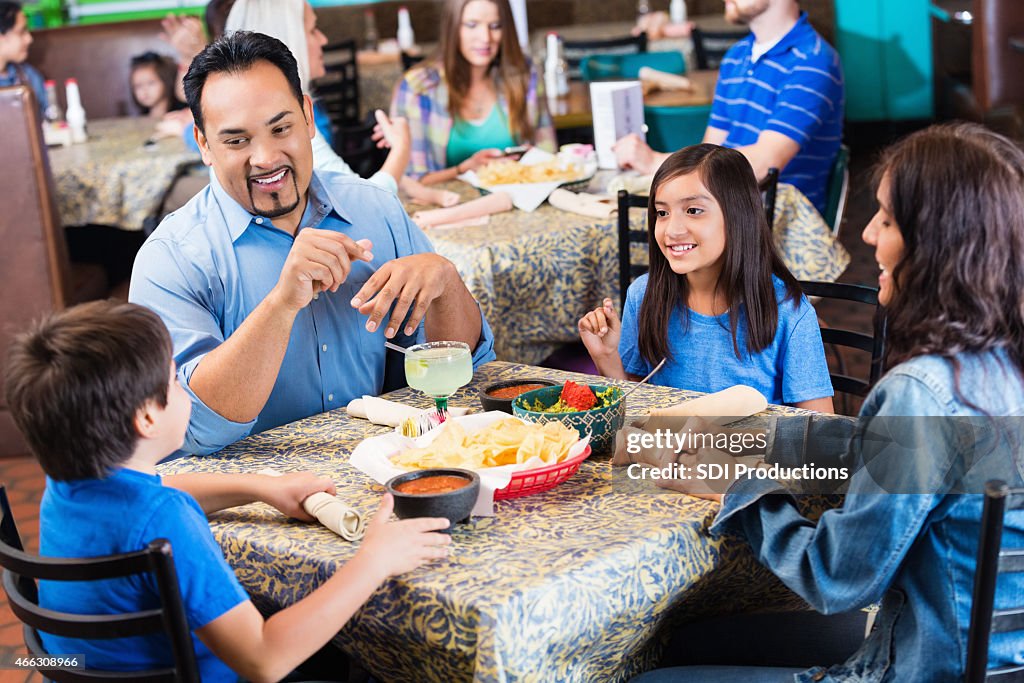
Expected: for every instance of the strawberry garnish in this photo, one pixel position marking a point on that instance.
(578, 396)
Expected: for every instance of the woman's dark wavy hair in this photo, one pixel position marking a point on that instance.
(956, 191)
(166, 70)
(76, 379)
(750, 257)
(235, 53)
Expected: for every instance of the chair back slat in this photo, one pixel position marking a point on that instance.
(22, 570)
(770, 189)
(1006, 674)
(628, 270)
(710, 46)
(873, 343)
(1011, 561)
(338, 89)
(90, 626)
(856, 340)
(1004, 620)
(991, 561)
(575, 51)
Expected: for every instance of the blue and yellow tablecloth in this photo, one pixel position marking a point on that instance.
(114, 178)
(536, 274)
(576, 584)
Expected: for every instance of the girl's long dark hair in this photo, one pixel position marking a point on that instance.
(750, 257)
(957, 194)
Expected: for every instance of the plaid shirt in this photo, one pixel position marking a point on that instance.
(422, 98)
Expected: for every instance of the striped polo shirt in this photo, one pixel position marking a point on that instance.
(796, 89)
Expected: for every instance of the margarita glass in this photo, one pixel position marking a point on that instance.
(439, 369)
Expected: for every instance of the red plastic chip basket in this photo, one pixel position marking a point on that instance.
(541, 479)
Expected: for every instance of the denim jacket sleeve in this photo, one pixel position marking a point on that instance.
(848, 558)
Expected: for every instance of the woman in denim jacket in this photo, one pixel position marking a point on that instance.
(949, 238)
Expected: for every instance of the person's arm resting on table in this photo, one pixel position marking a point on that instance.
(216, 491)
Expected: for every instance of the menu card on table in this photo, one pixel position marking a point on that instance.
(618, 110)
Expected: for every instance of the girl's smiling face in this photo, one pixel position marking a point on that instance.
(690, 227)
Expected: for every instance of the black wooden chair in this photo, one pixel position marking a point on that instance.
(22, 570)
(710, 46)
(769, 190)
(575, 51)
(993, 560)
(338, 89)
(410, 60)
(873, 343)
(629, 271)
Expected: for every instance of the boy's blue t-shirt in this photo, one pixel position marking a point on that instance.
(123, 513)
(791, 369)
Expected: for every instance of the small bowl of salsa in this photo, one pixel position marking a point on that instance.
(499, 395)
(448, 492)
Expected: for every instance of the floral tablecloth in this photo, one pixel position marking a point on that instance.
(114, 178)
(536, 274)
(576, 584)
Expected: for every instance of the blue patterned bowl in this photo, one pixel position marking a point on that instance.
(601, 423)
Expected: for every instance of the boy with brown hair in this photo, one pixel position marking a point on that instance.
(94, 390)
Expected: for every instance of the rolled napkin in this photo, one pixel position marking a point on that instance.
(631, 182)
(595, 206)
(381, 411)
(496, 202)
(331, 512)
(663, 80)
(736, 401)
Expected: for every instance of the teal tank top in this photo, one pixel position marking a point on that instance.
(467, 138)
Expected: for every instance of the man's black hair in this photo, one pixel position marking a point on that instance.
(234, 53)
(9, 12)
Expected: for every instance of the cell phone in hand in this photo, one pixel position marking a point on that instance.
(517, 149)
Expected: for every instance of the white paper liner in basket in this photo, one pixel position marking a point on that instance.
(372, 457)
(528, 196)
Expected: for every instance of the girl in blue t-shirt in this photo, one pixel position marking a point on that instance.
(718, 303)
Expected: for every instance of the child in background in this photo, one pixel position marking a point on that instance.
(14, 42)
(152, 81)
(94, 391)
(718, 303)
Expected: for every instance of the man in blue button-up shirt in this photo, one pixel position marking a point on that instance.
(279, 284)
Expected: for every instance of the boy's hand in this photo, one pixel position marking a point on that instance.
(401, 546)
(287, 492)
(600, 331)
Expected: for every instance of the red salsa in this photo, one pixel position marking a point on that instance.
(436, 483)
(514, 390)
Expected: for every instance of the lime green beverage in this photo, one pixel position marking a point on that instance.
(439, 369)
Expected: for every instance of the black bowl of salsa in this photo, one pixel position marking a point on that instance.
(499, 395)
(444, 492)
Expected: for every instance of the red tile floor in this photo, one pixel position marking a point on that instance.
(24, 483)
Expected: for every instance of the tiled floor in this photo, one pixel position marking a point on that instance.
(24, 483)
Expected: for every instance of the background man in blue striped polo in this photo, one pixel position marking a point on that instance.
(779, 99)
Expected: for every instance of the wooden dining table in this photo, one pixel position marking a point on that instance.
(580, 583)
(115, 178)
